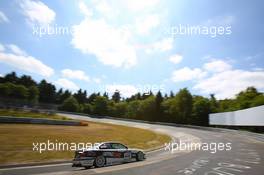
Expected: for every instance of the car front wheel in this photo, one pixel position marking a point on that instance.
(99, 161)
(140, 156)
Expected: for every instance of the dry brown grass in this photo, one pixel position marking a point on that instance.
(17, 139)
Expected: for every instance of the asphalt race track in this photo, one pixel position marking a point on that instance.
(245, 157)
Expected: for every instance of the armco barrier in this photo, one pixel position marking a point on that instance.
(247, 117)
(256, 136)
(208, 128)
(24, 120)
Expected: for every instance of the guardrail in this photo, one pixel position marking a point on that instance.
(24, 120)
(256, 136)
(209, 128)
(247, 117)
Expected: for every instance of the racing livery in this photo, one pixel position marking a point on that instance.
(107, 153)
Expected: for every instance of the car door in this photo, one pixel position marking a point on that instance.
(122, 154)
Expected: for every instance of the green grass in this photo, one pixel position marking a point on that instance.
(29, 114)
(17, 139)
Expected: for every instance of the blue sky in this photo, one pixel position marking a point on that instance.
(136, 45)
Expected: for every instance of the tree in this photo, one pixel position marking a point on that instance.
(184, 102)
(70, 104)
(179, 108)
(27, 81)
(117, 109)
(18, 92)
(100, 105)
(92, 97)
(245, 98)
(226, 105)
(133, 109)
(87, 108)
(137, 96)
(106, 95)
(33, 94)
(171, 94)
(11, 78)
(158, 109)
(12, 91)
(58, 96)
(147, 108)
(170, 110)
(214, 106)
(116, 96)
(80, 96)
(259, 100)
(47, 92)
(66, 94)
(200, 111)
(5, 89)
(146, 95)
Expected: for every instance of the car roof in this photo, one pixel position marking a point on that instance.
(111, 142)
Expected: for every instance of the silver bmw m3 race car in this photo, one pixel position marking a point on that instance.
(107, 153)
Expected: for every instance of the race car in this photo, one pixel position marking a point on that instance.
(107, 153)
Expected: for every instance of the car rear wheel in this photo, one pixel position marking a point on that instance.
(99, 161)
(140, 156)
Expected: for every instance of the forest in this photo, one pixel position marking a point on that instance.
(180, 107)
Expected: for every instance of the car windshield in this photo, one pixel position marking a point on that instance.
(118, 146)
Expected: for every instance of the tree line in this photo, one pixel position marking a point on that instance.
(181, 107)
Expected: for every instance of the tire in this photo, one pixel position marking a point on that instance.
(140, 156)
(99, 161)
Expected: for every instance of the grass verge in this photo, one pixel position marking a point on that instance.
(17, 139)
(29, 114)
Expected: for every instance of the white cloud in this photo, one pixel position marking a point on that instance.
(24, 62)
(217, 66)
(104, 8)
(16, 50)
(1, 75)
(139, 5)
(163, 45)
(145, 24)
(219, 78)
(112, 31)
(3, 17)
(258, 69)
(110, 45)
(186, 74)
(124, 89)
(97, 80)
(37, 12)
(84, 9)
(67, 84)
(177, 58)
(228, 83)
(2, 47)
(75, 74)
